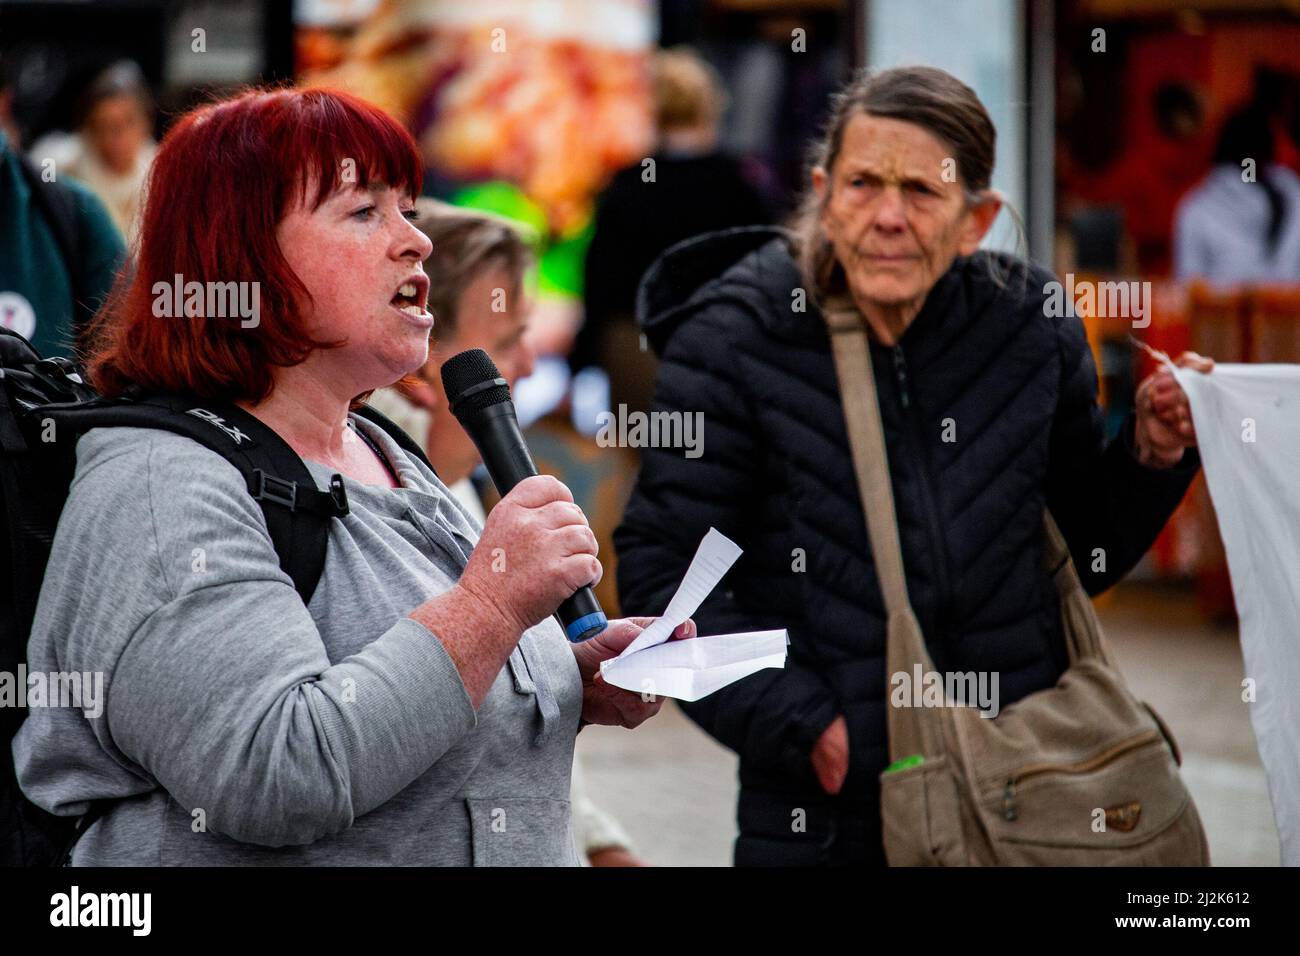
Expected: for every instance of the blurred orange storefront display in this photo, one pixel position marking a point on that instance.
(1273, 323)
(1243, 324)
(550, 97)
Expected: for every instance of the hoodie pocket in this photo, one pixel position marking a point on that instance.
(516, 831)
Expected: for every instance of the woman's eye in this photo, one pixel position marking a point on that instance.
(364, 212)
(411, 214)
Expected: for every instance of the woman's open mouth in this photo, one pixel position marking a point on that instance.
(410, 299)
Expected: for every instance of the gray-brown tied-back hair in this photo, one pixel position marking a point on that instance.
(928, 97)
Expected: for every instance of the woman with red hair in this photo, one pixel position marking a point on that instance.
(421, 708)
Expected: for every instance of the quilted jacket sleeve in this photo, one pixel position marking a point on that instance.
(1109, 507)
(772, 718)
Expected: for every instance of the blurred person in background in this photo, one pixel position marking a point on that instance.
(690, 188)
(477, 271)
(960, 338)
(59, 251)
(1122, 215)
(113, 145)
(1242, 222)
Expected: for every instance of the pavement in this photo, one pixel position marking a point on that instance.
(673, 788)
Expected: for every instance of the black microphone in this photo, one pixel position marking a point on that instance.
(480, 400)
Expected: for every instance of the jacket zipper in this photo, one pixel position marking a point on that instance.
(1009, 792)
(914, 440)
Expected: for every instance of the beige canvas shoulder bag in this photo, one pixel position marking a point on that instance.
(1079, 774)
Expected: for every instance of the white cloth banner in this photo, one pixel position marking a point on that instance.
(1247, 421)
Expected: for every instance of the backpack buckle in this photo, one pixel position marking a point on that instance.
(339, 494)
(270, 488)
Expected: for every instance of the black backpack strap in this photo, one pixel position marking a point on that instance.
(298, 514)
(404, 441)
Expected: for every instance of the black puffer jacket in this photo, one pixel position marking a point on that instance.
(1018, 387)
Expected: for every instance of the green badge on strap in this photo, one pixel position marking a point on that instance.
(912, 761)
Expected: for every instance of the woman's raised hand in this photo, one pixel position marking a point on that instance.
(1164, 417)
(536, 549)
(603, 703)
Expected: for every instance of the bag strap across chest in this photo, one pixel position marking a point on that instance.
(909, 732)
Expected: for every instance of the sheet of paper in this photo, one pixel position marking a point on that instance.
(715, 555)
(695, 668)
(691, 669)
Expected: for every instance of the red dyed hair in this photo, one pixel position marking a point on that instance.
(224, 177)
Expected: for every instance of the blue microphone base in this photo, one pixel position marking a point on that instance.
(585, 627)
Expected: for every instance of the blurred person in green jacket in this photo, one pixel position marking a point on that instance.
(59, 249)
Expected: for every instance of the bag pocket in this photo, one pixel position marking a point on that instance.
(1097, 811)
(921, 816)
(1166, 732)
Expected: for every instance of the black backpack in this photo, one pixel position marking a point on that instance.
(45, 406)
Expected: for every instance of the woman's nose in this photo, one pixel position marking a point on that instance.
(412, 242)
(526, 357)
(891, 213)
(520, 362)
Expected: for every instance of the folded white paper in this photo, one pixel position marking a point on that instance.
(695, 668)
(691, 669)
(714, 557)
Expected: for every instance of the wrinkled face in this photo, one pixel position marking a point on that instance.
(894, 219)
(491, 315)
(361, 259)
(117, 129)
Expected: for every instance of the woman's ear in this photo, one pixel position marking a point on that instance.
(820, 184)
(979, 219)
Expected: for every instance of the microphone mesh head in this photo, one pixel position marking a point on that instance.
(462, 372)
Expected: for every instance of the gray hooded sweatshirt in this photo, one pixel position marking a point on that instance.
(239, 726)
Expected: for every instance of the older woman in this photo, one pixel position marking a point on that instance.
(421, 709)
(989, 406)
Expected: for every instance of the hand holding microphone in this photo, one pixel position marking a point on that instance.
(535, 551)
(565, 556)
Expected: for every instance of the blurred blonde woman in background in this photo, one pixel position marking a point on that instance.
(477, 297)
